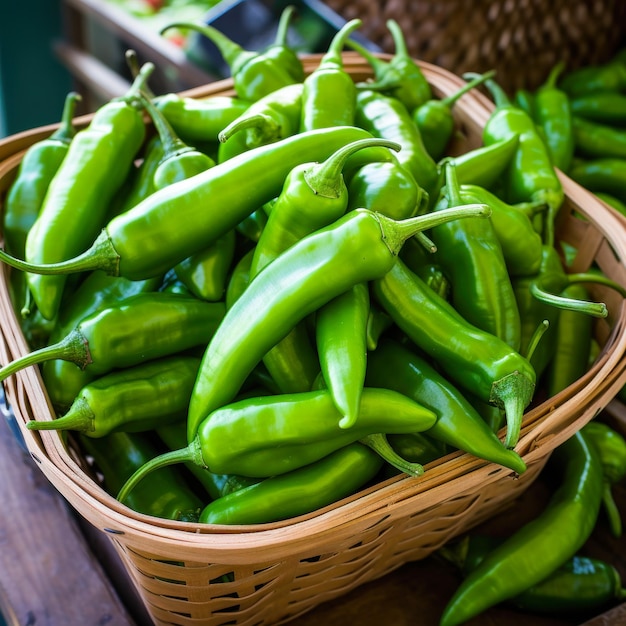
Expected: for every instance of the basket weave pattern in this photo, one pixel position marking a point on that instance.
(272, 573)
(495, 34)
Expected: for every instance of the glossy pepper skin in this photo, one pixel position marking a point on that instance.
(165, 494)
(602, 174)
(604, 107)
(271, 435)
(254, 74)
(185, 217)
(300, 491)
(398, 367)
(142, 327)
(472, 358)
(610, 76)
(556, 534)
(134, 399)
(356, 248)
(74, 209)
(598, 140)
(553, 115)
(329, 95)
(470, 254)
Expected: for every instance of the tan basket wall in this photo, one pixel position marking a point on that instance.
(521, 39)
(282, 570)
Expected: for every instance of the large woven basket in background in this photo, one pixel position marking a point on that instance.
(275, 572)
(521, 39)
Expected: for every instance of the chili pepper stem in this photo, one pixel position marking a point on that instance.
(67, 130)
(322, 177)
(379, 444)
(189, 454)
(283, 25)
(73, 347)
(598, 279)
(332, 57)
(513, 393)
(536, 338)
(263, 123)
(80, 418)
(457, 95)
(611, 509)
(595, 309)
(396, 232)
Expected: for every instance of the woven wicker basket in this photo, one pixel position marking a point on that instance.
(478, 36)
(279, 571)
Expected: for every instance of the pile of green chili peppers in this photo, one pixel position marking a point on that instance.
(272, 300)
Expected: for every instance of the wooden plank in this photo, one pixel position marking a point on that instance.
(49, 574)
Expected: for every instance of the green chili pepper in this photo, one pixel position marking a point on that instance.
(471, 358)
(521, 244)
(254, 74)
(399, 368)
(341, 338)
(377, 323)
(134, 399)
(272, 435)
(581, 584)
(525, 100)
(598, 140)
(386, 117)
(200, 119)
(611, 447)
(402, 78)
(329, 95)
(165, 494)
(273, 117)
(98, 160)
(470, 254)
(417, 447)
(142, 327)
(609, 76)
(182, 219)
(216, 485)
(572, 350)
(425, 265)
(280, 51)
(553, 115)
(602, 174)
(531, 175)
(356, 248)
(556, 534)
(604, 107)
(239, 278)
(300, 491)
(435, 120)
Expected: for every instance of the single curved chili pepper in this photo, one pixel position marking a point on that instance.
(280, 51)
(470, 254)
(272, 435)
(386, 117)
(581, 584)
(329, 95)
(402, 78)
(356, 248)
(254, 74)
(341, 339)
(435, 121)
(216, 485)
(63, 380)
(604, 107)
(98, 160)
(273, 117)
(200, 119)
(471, 358)
(394, 366)
(556, 534)
(134, 399)
(603, 174)
(598, 140)
(300, 491)
(165, 494)
(142, 327)
(531, 175)
(521, 243)
(386, 188)
(553, 115)
(610, 76)
(485, 166)
(182, 219)
(572, 349)
(314, 195)
(611, 447)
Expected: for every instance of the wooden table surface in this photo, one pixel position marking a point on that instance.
(57, 570)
